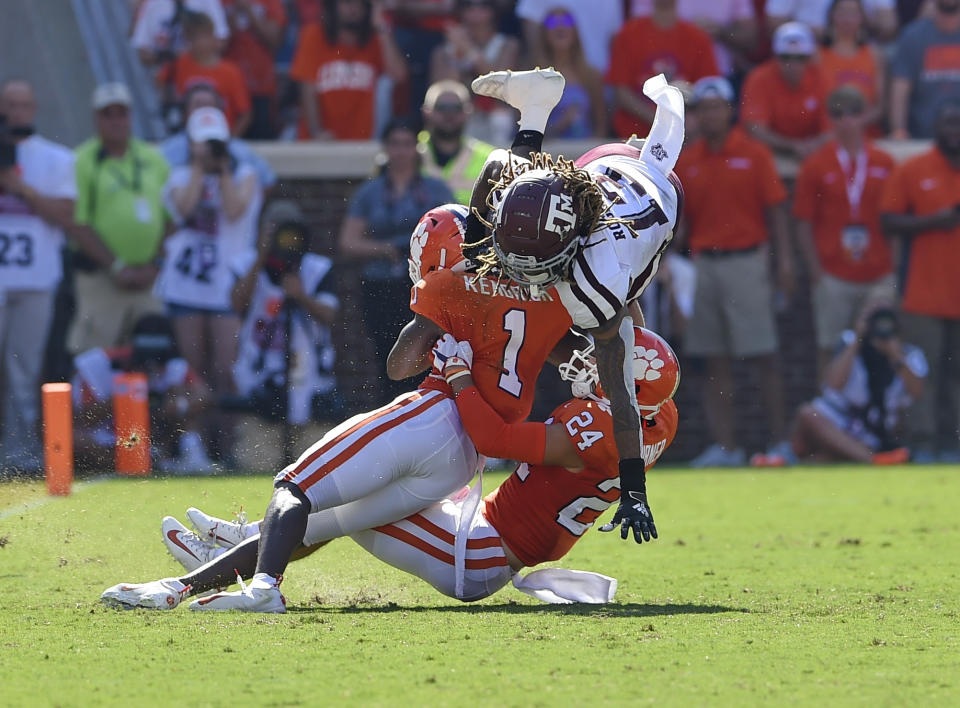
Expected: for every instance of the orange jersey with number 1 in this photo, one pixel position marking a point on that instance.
(510, 333)
(541, 511)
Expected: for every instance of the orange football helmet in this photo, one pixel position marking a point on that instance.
(656, 372)
(436, 241)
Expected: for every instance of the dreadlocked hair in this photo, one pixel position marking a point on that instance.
(588, 201)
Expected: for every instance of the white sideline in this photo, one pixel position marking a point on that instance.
(26, 508)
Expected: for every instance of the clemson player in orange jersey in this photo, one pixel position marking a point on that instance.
(469, 549)
(512, 333)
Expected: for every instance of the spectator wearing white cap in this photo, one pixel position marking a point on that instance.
(176, 148)
(734, 204)
(880, 15)
(37, 190)
(120, 183)
(215, 202)
(784, 99)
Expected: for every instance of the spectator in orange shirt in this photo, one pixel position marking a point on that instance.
(734, 198)
(647, 46)
(837, 204)
(338, 64)
(783, 102)
(256, 32)
(201, 63)
(848, 60)
(921, 204)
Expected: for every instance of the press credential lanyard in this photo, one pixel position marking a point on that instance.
(855, 183)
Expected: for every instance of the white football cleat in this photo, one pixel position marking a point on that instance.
(221, 532)
(163, 594)
(185, 546)
(261, 595)
(534, 92)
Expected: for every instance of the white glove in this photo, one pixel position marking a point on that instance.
(452, 358)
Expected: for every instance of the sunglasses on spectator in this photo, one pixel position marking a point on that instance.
(476, 3)
(559, 19)
(448, 108)
(852, 111)
(793, 57)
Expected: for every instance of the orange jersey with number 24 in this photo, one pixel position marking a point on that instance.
(541, 511)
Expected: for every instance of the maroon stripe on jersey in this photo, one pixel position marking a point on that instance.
(597, 285)
(590, 304)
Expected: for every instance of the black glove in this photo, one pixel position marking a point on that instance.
(633, 512)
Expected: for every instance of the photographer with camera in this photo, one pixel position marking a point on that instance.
(215, 202)
(37, 193)
(176, 148)
(872, 379)
(285, 365)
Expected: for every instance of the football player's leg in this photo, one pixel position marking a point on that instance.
(423, 545)
(534, 93)
(282, 529)
(438, 465)
(220, 531)
(418, 439)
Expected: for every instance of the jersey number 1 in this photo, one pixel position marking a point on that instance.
(514, 322)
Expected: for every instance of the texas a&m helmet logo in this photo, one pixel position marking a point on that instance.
(560, 215)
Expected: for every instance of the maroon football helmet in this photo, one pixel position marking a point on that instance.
(536, 230)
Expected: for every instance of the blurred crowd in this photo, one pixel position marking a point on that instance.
(185, 259)
(341, 69)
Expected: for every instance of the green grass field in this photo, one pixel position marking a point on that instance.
(815, 586)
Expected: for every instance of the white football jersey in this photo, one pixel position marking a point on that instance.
(616, 263)
(196, 268)
(29, 246)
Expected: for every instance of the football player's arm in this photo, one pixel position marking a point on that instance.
(411, 352)
(564, 349)
(612, 342)
(534, 443)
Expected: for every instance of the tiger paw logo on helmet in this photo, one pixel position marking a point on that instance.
(646, 364)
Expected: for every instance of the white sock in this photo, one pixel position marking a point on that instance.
(175, 584)
(534, 118)
(264, 579)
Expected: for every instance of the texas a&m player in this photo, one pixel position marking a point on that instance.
(593, 229)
